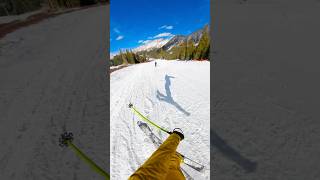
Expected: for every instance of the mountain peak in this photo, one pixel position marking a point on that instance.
(152, 44)
(179, 39)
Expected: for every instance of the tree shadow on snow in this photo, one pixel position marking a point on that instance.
(231, 153)
(168, 98)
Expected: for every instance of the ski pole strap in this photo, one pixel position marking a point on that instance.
(86, 159)
(146, 119)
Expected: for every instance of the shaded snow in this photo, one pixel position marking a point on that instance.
(266, 90)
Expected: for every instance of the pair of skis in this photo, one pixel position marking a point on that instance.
(157, 142)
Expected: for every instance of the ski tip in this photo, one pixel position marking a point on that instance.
(130, 105)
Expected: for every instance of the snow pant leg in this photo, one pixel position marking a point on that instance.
(157, 166)
(174, 172)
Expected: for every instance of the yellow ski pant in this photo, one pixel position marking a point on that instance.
(164, 163)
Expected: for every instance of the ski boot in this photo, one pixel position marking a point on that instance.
(179, 132)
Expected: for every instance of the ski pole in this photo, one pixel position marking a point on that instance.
(66, 141)
(146, 119)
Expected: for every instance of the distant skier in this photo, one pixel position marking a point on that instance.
(164, 163)
(155, 64)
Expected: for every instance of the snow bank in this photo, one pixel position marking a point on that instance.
(21, 17)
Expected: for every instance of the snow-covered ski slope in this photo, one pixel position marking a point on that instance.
(52, 79)
(173, 94)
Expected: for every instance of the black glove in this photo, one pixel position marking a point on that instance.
(179, 132)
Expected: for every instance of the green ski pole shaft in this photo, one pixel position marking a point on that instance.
(86, 159)
(146, 119)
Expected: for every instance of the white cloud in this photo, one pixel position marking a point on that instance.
(119, 38)
(169, 27)
(146, 41)
(166, 27)
(116, 30)
(166, 34)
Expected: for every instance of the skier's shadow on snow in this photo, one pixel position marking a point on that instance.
(168, 98)
(231, 153)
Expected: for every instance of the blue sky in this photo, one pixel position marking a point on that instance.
(132, 21)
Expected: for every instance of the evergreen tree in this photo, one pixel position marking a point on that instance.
(129, 57)
(123, 58)
(202, 48)
(190, 50)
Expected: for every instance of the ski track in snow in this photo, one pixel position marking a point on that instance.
(188, 108)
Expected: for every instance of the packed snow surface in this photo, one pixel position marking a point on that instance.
(173, 94)
(52, 79)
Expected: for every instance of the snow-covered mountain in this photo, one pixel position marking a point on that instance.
(175, 41)
(152, 44)
(196, 36)
(179, 39)
(168, 43)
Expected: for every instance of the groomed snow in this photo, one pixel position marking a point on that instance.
(173, 94)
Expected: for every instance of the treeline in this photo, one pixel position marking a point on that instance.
(185, 51)
(128, 57)
(15, 7)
